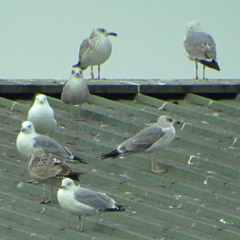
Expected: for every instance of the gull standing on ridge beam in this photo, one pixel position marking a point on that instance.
(75, 90)
(200, 47)
(84, 202)
(46, 167)
(42, 115)
(95, 50)
(28, 139)
(150, 140)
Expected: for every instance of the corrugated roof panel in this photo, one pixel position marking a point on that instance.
(198, 198)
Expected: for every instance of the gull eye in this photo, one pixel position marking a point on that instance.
(102, 30)
(169, 120)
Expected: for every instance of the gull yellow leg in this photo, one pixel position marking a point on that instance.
(153, 167)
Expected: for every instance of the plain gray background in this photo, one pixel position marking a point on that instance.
(41, 39)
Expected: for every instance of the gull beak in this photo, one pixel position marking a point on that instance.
(112, 34)
(62, 187)
(76, 65)
(177, 122)
(23, 129)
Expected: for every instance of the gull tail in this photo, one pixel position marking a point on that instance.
(118, 208)
(213, 64)
(112, 154)
(74, 175)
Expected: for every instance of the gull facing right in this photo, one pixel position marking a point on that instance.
(150, 140)
(95, 50)
(200, 47)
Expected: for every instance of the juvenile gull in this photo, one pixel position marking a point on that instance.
(200, 47)
(150, 140)
(42, 115)
(75, 90)
(84, 202)
(46, 167)
(95, 50)
(27, 139)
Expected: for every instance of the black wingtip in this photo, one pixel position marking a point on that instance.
(74, 175)
(79, 159)
(213, 64)
(112, 154)
(118, 208)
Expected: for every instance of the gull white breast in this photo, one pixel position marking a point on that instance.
(84, 202)
(95, 50)
(42, 115)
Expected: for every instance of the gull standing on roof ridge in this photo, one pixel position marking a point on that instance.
(150, 140)
(28, 139)
(95, 50)
(46, 167)
(42, 115)
(75, 90)
(84, 202)
(200, 47)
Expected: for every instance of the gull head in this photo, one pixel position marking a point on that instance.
(76, 72)
(166, 121)
(193, 26)
(102, 32)
(27, 127)
(41, 98)
(67, 183)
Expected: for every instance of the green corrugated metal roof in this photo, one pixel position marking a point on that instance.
(198, 198)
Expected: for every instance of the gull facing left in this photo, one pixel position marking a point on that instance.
(46, 167)
(42, 115)
(150, 140)
(28, 139)
(95, 50)
(84, 202)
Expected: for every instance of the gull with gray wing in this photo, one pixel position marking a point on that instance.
(200, 47)
(95, 50)
(28, 139)
(149, 140)
(84, 202)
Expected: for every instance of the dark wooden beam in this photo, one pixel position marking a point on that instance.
(123, 86)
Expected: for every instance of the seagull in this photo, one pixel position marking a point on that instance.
(200, 47)
(44, 166)
(75, 90)
(150, 140)
(28, 139)
(95, 50)
(42, 115)
(84, 202)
